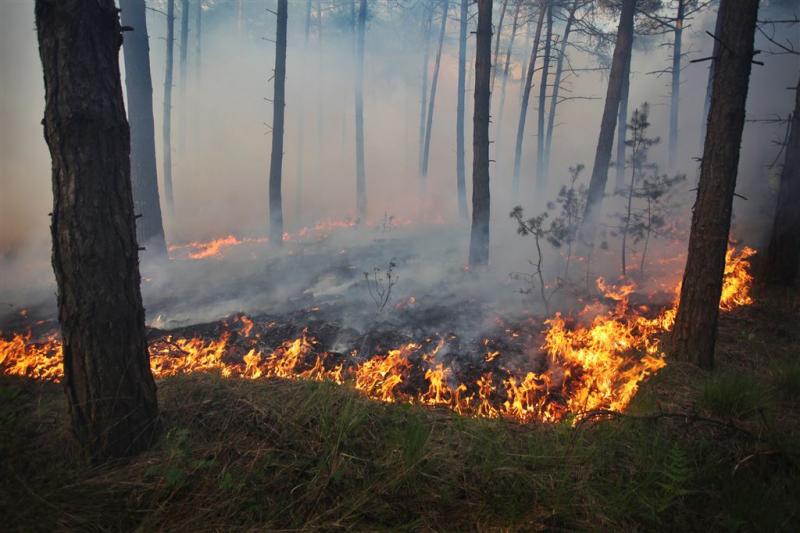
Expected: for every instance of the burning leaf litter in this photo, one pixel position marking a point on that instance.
(593, 360)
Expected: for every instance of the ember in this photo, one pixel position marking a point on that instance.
(592, 363)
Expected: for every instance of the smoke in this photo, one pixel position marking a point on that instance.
(221, 117)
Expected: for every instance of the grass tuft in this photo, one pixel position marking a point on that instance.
(734, 395)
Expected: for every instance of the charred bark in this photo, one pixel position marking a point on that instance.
(676, 83)
(695, 331)
(616, 81)
(783, 254)
(526, 94)
(479, 238)
(278, 109)
(434, 84)
(110, 389)
(167, 112)
(461, 186)
(551, 119)
(139, 88)
(541, 178)
(361, 179)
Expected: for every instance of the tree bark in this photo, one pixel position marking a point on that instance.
(616, 81)
(676, 83)
(622, 129)
(434, 84)
(278, 109)
(497, 43)
(783, 254)
(541, 178)
(461, 186)
(479, 238)
(710, 83)
(139, 88)
(167, 112)
(361, 180)
(110, 389)
(695, 331)
(526, 94)
(551, 119)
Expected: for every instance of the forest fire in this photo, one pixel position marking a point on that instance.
(593, 360)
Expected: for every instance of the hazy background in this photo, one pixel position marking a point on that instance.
(221, 144)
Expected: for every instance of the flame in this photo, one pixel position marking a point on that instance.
(596, 360)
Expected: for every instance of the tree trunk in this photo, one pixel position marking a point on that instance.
(616, 81)
(783, 254)
(551, 119)
(676, 84)
(497, 43)
(198, 25)
(622, 129)
(432, 101)
(461, 186)
(110, 389)
(182, 66)
(139, 87)
(426, 30)
(479, 238)
(541, 178)
(301, 123)
(710, 83)
(278, 109)
(167, 112)
(526, 94)
(361, 180)
(506, 65)
(695, 331)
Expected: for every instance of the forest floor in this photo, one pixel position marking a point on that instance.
(694, 451)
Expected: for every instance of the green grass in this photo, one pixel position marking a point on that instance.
(240, 455)
(734, 395)
(786, 378)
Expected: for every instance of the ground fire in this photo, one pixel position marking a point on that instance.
(593, 360)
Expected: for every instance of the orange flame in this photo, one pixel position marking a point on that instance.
(597, 364)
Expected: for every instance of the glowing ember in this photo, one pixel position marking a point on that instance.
(593, 361)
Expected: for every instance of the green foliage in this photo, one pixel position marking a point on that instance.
(786, 378)
(734, 395)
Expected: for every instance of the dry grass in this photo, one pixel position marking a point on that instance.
(279, 455)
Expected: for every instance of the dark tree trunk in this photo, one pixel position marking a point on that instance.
(616, 81)
(167, 112)
(541, 178)
(551, 119)
(423, 107)
(695, 332)
(278, 109)
(361, 179)
(506, 65)
(110, 389)
(461, 186)
(622, 129)
(526, 95)
(497, 43)
(434, 84)
(139, 87)
(710, 83)
(479, 238)
(783, 254)
(676, 83)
